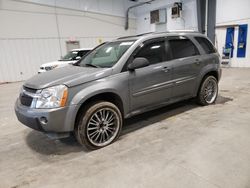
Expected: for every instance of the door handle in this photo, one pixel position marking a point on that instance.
(197, 61)
(165, 69)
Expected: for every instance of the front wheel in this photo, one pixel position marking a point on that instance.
(100, 125)
(208, 91)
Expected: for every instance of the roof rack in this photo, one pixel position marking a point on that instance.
(168, 31)
(136, 35)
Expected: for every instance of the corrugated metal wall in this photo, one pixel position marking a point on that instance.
(29, 35)
(110, 7)
(21, 58)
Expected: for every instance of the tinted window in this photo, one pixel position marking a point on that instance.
(182, 47)
(206, 45)
(154, 52)
(82, 53)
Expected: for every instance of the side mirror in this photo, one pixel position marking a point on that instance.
(137, 63)
(77, 58)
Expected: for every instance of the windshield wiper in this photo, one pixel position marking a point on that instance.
(91, 65)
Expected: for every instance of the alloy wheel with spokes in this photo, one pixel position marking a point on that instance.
(208, 91)
(100, 125)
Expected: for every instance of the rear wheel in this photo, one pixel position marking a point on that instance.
(99, 125)
(208, 91)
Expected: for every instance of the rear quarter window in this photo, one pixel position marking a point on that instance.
(206, 45)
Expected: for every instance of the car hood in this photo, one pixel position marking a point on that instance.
(59, 63)
(69, 75)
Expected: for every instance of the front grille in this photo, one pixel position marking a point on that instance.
(25, 99)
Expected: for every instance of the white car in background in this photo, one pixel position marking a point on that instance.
(70, 58)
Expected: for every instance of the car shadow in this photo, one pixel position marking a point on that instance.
(148, 118)
(151, 117)
(40, 143)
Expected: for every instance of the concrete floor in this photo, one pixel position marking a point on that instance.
(183, 145)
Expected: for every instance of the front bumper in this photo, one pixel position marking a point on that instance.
(59, 120)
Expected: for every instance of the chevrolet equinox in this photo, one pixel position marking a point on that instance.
(117, 80)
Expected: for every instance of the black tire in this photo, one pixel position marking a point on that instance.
(202, 96)
(88, 126)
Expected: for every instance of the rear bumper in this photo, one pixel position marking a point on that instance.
(219, 74)
(59, 120)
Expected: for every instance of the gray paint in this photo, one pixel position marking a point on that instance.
(69, 76)
(140, 90)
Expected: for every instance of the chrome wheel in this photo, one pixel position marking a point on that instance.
(210, 91)
(103, 126)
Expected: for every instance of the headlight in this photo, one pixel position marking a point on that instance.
(50, 67)
(52, 97)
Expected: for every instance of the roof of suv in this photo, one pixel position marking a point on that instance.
(81, 49)
(161, 34)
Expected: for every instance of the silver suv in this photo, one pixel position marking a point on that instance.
(117, 80)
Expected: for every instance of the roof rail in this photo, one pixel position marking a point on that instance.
(135, 35)
(168, 31)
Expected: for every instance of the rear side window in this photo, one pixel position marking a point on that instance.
(182, 47)
(206, 45)
(154, 52)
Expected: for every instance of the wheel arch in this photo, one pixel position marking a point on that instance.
(111, 97)
(205, 75)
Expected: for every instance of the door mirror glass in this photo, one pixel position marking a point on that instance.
(137, 63)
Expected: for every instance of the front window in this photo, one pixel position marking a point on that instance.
(107, 55)
(154, 52)
(69, 56)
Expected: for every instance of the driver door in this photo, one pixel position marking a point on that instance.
(151, 85)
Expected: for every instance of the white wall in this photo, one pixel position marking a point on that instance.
(29, 34)
(188, 20)
(228, 13)
(232, 10)
(110, 7)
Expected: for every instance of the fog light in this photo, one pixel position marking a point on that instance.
(43, 120)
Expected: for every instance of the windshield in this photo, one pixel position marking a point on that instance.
(106, 55)
(69, 56)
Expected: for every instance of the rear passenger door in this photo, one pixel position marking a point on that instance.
(186, 66)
